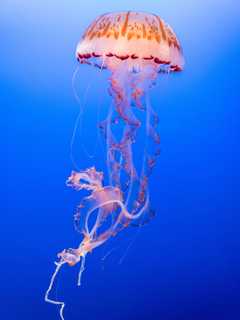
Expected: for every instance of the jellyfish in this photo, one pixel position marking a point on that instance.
(135, 48)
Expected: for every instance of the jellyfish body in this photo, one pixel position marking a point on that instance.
(140, 38)
(135, 47)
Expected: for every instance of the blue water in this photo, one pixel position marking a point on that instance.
(185, 263)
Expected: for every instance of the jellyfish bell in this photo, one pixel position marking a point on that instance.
(138, 38)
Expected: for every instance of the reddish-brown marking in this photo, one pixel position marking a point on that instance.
(162, 28)
(144, 31)
(106, 29)
(89, 30)
(176, 68)
(82, 58)
(116, 34)
(92, 27)
(148, 58)
(158, 38)
(158, 61)
(95, 55)
(169, 42)
(133, 56)
(86, 55)
(130, 35)
(125, 25)
(122, 57)
(92, 35)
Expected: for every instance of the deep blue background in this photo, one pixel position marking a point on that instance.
(185, 263)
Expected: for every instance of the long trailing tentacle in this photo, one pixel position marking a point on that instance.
(126, 199)
(78, 121)
(82, 268)
(123, 145)
(124, 94)
(78, 126)
(140, 85)
(47, 299)
(151, 153)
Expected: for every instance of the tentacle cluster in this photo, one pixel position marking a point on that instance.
(124, 200)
